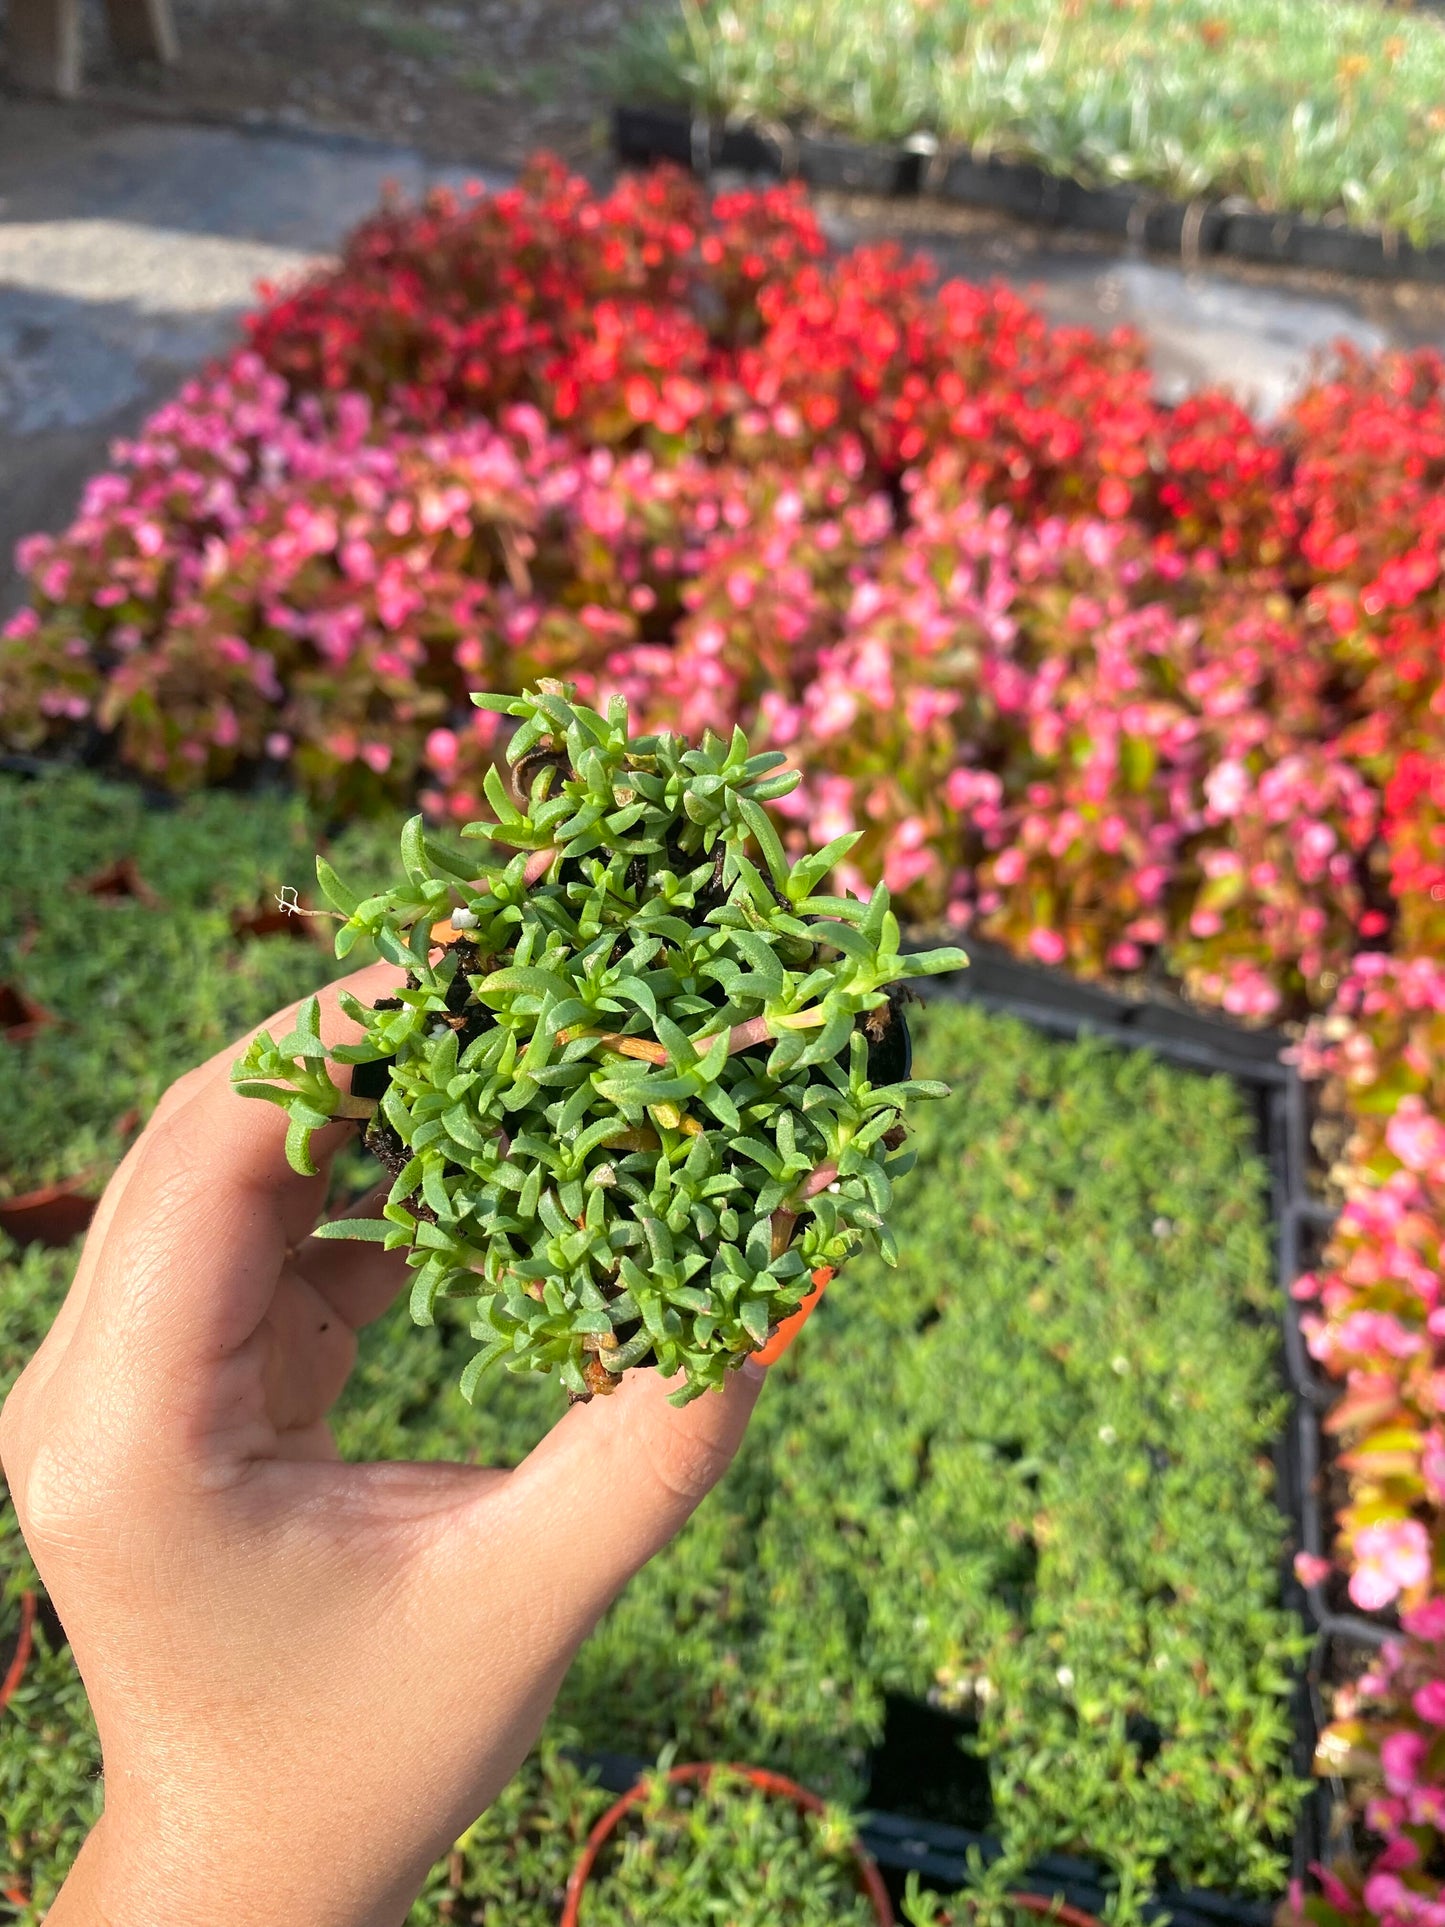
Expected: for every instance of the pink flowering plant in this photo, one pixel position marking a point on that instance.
(1131, 689)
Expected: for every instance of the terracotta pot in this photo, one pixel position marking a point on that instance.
(1046, 1910)
(21, 1018)
(24, 1642)
(56, 1213)
(790, 1327)
(870, 1881)
(117, 880)
(53, 1214)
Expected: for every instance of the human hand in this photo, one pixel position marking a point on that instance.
(308, 1676)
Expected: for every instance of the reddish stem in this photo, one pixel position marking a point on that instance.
(23, 1645)
(819, 1180)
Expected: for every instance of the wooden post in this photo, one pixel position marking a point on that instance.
(143, 30)
(42, 45)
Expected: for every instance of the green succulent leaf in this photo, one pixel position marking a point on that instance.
(611, 1087)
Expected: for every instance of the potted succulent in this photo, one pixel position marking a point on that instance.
(707, 1842)
(642, 1089)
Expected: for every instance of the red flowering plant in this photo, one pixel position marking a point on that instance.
(1126, 687)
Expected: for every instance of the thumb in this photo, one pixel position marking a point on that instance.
(618, 1478)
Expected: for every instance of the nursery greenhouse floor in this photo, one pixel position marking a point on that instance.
(1025, 1477)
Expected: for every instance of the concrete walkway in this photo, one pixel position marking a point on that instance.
(129, 249)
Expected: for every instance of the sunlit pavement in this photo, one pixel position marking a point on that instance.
(128, 250)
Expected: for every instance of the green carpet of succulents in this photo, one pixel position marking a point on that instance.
(1026, 1472)
(140, 992)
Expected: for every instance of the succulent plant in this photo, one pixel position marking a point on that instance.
(642, 1084)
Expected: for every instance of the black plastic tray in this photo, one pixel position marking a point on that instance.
(1258, 1061)
(1192, 230)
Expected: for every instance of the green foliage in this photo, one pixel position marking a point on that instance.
(629, 1111)
(510, 1867)
(727, 1853)
(50, 1793)
(49, 1756)
(1026, 1472)
(983, 1902)
(1297, 109)
(140, 992)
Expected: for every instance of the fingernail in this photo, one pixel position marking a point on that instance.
(755, 1369)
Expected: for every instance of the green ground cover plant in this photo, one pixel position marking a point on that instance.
(1025, 1472)
(49, 1753)
(986, 1901)
(644, 1085)
(1324, 111)
(141, 987)
(726, 1853)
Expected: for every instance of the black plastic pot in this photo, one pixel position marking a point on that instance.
(1025, 191)
(854, 167)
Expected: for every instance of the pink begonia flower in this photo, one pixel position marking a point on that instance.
(1366, 1334)
(1311, 1570)
(832, 709)
(834, 814)
(442, 748)
(1401, 1755)
(31, 551)
(1249, 993)
(1426, 1621)
(926, 706)
(1416, 1138)
(1226, 787)
(1048, 946)
(903, 868)
(1391, 1558)
(377, 757)
(782, 719)
(1432, 1455)
(278, 745)
(1397, 1905)
(1429, 1702)
(1335, 1891)
(22, 625)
